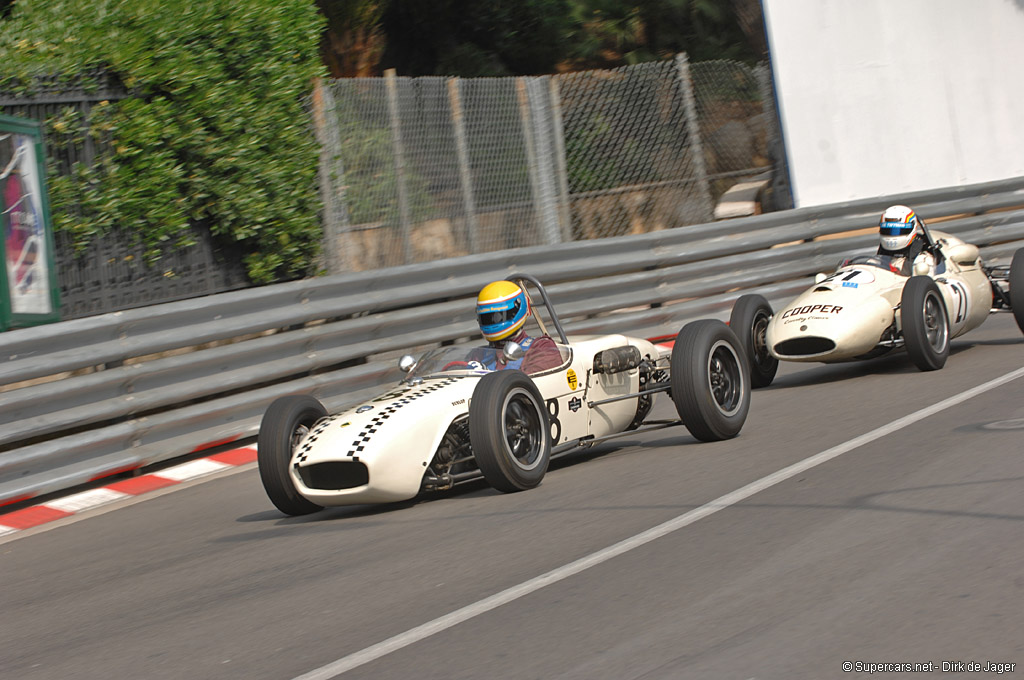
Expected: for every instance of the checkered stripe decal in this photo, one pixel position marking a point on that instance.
(387, 411)
(318, 430)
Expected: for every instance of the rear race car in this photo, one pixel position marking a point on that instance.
(867, 308)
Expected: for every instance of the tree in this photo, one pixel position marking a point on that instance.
(613, 33)
(214, 136)
(354, 41)
(473, 38)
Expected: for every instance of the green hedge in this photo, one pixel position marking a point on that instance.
(216, 136)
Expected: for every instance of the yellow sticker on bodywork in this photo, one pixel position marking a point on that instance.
(570, 377)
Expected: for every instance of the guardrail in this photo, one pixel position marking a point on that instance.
(108, 394)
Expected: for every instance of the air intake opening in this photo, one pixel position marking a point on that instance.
(802, 347)
(335, 475)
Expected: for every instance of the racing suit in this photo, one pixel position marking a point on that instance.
(540, 354)
(905, 258)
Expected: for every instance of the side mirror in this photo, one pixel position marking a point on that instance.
(513, 351)
(819, 277)
(407, 363)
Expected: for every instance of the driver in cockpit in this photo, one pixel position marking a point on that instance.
(901, 237)
(502, 308)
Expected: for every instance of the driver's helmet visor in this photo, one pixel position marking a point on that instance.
(499, 317)
(894, 228)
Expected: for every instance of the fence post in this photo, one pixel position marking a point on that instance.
(538, 154)
(561, 171)
(332, 180)
(690, 107)
(465, 176)
(405, 222)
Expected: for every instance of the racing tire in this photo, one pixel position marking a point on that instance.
(749, 321)
(925, 323)
(710, 380)
(285, 423)
(1016, 282)
(509, 431)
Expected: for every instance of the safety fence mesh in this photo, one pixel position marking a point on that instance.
(422, 169)
(418, 169)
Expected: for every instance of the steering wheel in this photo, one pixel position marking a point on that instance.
(455, 364)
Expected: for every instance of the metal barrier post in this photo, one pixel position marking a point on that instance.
(561, 170)
(405, 222)
(465, 176)
(332, 172)
(535, 127)
(690, 106)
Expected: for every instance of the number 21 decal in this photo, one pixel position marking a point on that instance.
(960, 300)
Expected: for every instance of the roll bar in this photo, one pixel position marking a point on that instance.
(518, 279)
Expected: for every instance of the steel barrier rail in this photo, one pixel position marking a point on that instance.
(112, 337)
(100, 396)
(331, 337)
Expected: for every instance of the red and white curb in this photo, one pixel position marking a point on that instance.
(67, 506)
(664, 341)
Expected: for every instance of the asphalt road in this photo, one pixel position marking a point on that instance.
(904, 546)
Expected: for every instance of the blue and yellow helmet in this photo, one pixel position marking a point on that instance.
(501, 310)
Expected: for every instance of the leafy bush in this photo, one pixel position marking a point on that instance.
(216, 132)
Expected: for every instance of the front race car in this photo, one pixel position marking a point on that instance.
(377, 451)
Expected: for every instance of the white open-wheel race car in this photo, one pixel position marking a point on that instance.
(868, 308)
(451, 419)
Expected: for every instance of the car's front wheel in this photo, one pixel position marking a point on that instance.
(1016, 281)
(709, 380)
(749, 321)
(284, 425)
(509, 431)
(925, 323)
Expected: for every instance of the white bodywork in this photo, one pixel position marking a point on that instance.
(393, 438)
(855, 312)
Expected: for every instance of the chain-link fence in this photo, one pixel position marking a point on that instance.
(735, 124)
(418, 169)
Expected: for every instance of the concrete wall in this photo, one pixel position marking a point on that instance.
(887, 96)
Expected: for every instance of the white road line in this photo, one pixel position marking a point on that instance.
(468, 612)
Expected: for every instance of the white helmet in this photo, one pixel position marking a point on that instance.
(897, 227)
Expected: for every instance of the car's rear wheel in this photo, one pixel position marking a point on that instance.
(284, 425)
(1016, 281)
(509, 431)
(749, 321)
(709, 380)
(925, 323)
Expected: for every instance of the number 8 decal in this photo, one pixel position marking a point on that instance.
(556, 425)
